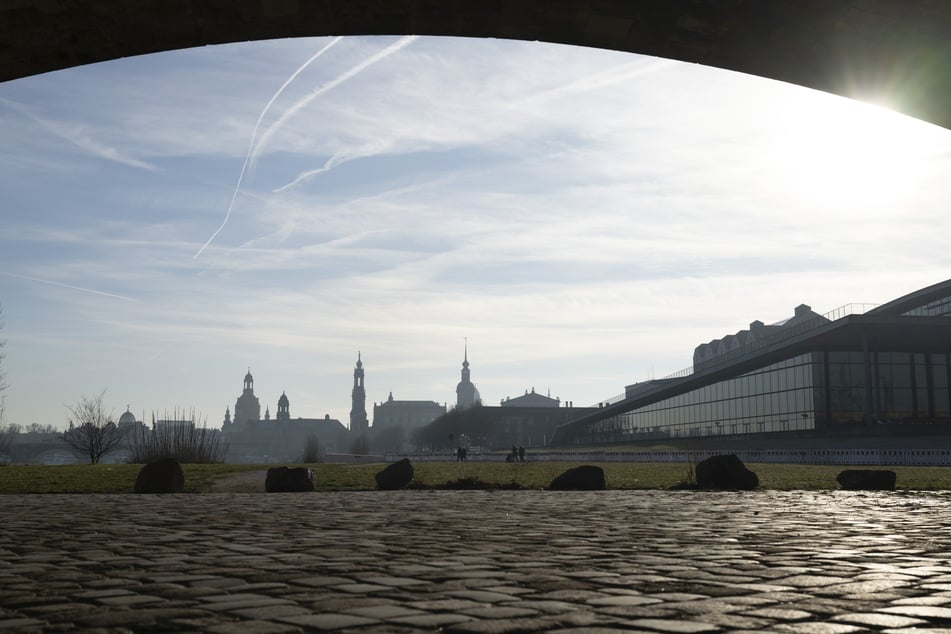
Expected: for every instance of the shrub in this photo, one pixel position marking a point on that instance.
(311, 453)
(178, 438)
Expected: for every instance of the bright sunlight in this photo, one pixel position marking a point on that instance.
(841, 154)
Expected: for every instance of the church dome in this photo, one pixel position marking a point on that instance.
(127, 418)
(283, 400)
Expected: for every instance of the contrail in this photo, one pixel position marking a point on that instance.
(70, 286)
(333, 83)
(329, 164)
(605, 78)
(254, 133)
(77, 138)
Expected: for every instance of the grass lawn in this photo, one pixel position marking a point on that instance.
(101, 478)
(531, 475)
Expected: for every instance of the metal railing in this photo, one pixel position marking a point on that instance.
(872, 456)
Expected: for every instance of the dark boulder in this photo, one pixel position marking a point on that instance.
(161, 476)
(867, 479)
(396, 476)
(289, 480)
(583, 478)
(725, 472)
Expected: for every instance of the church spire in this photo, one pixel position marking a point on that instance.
(358, 410)
(283, 408)
(466, 393)
(247, 407)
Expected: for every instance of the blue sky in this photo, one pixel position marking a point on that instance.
(584, 218)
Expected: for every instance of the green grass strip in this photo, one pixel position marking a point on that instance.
(19, 479)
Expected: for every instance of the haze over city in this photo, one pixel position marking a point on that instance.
(583, 218)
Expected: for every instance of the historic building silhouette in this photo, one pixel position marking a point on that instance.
(466, 393)
(531, 399)
(358, 411)
(251, 439)
(406, 414)
(247, 407)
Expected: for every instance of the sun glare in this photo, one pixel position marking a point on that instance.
(839, 154)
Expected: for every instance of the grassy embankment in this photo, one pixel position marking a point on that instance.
(532, 475)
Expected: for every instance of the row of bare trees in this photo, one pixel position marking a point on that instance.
(94, 435)
(6, 434)
(177, 438)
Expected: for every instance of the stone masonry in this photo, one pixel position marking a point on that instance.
(475, 561)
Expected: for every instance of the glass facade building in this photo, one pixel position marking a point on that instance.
(890, 365)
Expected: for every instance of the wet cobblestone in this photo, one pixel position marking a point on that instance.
(475, 561)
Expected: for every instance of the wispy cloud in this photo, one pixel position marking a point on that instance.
(580, 215)
(329, 164)
(254, 133)
(620, 74)
(71, 287)
(78, 137)
(328, 86)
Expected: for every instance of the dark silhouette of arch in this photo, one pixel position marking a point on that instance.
(892, 51)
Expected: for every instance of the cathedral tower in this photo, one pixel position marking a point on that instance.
(358, 412)
(283, 408)
(247, 407)
(466, 393)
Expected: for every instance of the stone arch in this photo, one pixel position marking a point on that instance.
(896, 51)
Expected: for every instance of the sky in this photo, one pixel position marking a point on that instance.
(577, 219)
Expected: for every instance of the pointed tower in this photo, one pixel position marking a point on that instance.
(358, 412)
(247, 407)
(466, 393)
(283, 408)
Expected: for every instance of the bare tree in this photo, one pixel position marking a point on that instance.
(93, 433)
(36, 428)
(3, 386)
(6, 433)
(6, 439)
(360, 446)
(388, 439)
(178, 437)
(311, 453)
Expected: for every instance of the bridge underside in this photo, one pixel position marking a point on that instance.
(894, 52)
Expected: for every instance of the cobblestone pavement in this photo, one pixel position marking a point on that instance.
(476, 561)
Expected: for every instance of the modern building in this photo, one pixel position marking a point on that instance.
(843, 372)
(171, 425)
